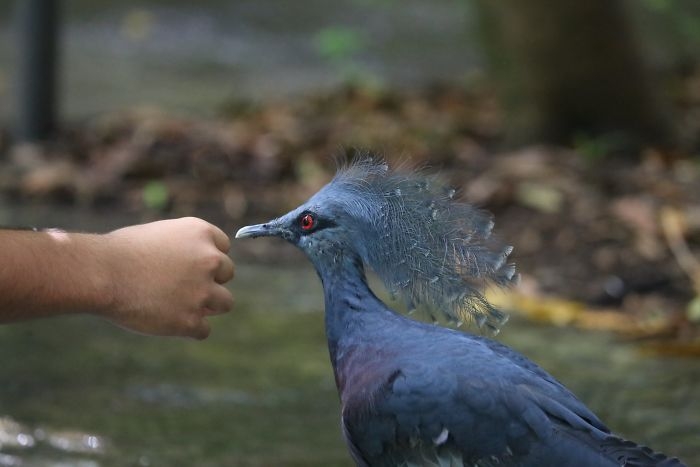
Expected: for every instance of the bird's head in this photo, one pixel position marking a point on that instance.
(434, 252)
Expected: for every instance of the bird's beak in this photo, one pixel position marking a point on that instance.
(259, 230)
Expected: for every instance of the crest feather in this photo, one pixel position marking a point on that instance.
(433, 251)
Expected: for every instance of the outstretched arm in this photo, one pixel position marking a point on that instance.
(162, 278)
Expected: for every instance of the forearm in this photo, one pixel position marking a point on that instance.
(51, 272)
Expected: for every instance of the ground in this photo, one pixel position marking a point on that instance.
(605, 236)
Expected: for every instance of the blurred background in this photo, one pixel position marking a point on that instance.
(576, 123)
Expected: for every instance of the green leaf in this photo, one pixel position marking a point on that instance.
(693, 311)
(338, 43)
(658, 5)
(155, 195)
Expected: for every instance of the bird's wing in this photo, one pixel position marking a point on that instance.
(456, 413)
(429, 415)
(354, 450)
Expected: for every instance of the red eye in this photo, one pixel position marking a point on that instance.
(307, 222)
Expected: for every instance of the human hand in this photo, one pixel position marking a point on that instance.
(168, 276)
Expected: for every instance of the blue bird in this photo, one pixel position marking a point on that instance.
(416, 394)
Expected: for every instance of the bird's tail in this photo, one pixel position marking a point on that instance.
(574, 448)
(629, 454)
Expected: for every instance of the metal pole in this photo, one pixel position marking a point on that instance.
(37, 30)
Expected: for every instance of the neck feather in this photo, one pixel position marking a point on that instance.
(348, 298)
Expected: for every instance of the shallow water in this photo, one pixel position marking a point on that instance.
(259, 391)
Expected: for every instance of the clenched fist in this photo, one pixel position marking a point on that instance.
(168, 276)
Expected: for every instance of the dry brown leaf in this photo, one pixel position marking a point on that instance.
(50, 178)
(563, 312)
(673, 348)
(674, 228)
(555, 311)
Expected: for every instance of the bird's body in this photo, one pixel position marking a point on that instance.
(475, 403)
(413, 393)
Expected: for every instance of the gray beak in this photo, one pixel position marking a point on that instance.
(252, 231)
(259, 230)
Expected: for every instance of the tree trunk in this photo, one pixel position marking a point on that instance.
(568, 68)
(38, 36)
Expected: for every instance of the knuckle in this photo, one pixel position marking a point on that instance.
(190, 220)
(211, 261)
(223, 305)
(200, 225)
(192, 322)
(201, 299)
(227, 273)
(226, 242)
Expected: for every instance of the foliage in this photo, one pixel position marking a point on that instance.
(594, 149)
(339, 43)
(341, 47)
(155, 195)
(670, 30)
(687, 23)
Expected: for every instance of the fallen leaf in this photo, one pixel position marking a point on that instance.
(540, 197)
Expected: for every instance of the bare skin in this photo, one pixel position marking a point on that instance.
(164, 278)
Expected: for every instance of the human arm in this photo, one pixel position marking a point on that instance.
(162, 278)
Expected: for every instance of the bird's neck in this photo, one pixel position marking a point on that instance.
(348, 298)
